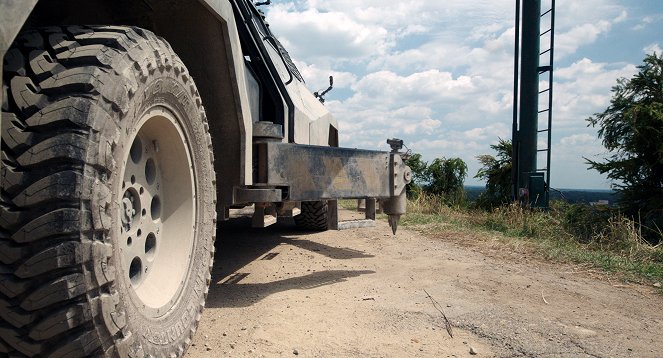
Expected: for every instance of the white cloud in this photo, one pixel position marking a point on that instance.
(420, 87)
(583, 88)
(490, 133)
(569, 158)
(582, 67)
(572, 13)
(413, 30)
(434, 54)
(312, 34)
(644, 22)
(580, 23)
(439, 73)
(317, 78)
(399, 14)
(576, 139)
(653, 48)
(568, 42)
(621, 17)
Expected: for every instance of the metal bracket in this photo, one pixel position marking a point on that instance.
(317, 172)
(335, 224)
(264, 129)
(400, 175)
(264, 215)
(256, 195)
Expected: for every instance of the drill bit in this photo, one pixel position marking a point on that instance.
(393, 222)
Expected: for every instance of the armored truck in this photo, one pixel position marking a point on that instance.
(129, 128)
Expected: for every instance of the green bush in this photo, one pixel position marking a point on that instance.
(496, 171)
(586, 222)
(600, 236)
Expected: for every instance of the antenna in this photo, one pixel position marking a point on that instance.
(320, 96)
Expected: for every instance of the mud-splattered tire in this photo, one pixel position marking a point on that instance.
(98, 121)
(313, 216)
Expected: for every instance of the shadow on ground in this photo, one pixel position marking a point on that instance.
(238, 245)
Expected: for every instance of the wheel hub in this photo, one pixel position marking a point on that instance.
(130, 210)
(141, 228)
(157, 211)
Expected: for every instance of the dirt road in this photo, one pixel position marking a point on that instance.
(278, 292)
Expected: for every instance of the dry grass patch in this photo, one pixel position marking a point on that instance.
(610, 243)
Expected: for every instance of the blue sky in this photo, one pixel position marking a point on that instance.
(439, 74)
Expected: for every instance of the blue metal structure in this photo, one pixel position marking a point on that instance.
(530, 94)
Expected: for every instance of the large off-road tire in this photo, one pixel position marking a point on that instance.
(107, 206)
(313, 216)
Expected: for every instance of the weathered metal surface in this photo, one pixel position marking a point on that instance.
(400, 175)
(370, 208)
(267, 130)
(263, 216)
(289, 213)
(315, 173)
(332, 214)
(256, 195)
(537, 190)
(395, 207)
(335, 224)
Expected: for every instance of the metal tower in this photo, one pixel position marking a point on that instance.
(534, 28)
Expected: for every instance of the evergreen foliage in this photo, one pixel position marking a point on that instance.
(631, 129)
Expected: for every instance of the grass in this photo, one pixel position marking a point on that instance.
(590, 238)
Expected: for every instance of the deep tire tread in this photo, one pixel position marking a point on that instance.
(313, 216)
(60, 117)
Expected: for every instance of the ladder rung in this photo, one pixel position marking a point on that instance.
(543, 69)
(546, 13)
(544, 52)
(545, 110)
(543, 130)
(542, 150)
(545, 32)
(544, 91)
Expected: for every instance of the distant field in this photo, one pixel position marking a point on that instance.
(569, 195)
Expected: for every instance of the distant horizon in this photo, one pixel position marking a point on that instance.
(554, 189)
(568, 195)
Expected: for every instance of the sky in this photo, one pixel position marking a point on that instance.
(439, 74)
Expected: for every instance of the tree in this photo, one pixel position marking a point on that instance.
(419, 177)
(446, 178)
(631, 129)
(496, 171)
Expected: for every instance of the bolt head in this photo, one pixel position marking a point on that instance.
(407, 176)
